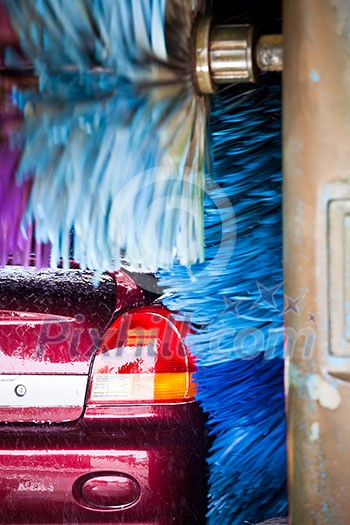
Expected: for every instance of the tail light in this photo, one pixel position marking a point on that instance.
(142, 359)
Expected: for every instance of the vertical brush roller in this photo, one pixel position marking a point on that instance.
(236, 297)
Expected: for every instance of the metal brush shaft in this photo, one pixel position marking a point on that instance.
(269, 53)
(224, 54)
(227, 54)
(230, 54)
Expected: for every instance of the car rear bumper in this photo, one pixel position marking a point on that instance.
(152, 457)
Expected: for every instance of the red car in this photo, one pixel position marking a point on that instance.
(98, 419)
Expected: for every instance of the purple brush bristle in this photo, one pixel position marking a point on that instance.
(15, 243)
(13, 200)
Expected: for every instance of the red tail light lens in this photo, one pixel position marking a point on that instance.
(142, 359)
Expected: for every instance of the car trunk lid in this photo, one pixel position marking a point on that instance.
(50, 325)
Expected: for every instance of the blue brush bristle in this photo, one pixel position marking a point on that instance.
(236, 297)
(247, 465)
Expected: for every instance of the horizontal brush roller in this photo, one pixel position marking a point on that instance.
(224, 54)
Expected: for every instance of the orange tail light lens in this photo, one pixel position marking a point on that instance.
(142, 359)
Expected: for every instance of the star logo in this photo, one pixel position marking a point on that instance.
(267, 295)
(231, 306)
(312, 317)
(292, 305)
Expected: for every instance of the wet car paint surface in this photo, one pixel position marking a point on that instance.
(43, 469)
(83, 308)
(108, 464)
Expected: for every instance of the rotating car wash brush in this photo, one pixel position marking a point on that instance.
(117, 149)
(115, 135)
(235, 299)
(116, 139)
